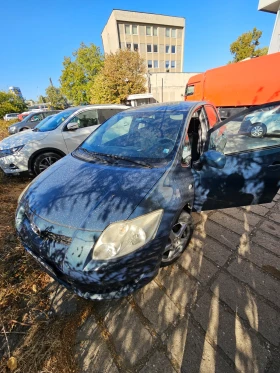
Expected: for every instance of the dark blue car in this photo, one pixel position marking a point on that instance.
(103, 219)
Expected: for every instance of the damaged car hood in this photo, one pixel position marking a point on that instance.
(89, 196)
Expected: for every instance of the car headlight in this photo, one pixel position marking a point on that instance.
(11, 151)
(12, 129)
(124, 237)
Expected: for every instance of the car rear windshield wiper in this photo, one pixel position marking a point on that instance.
(119, 157)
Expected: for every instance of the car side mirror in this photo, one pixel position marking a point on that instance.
(72, 126)
(214, 159)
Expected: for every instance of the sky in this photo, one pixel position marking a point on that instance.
(36, 35)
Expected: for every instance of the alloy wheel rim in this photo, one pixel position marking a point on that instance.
(257, 131)
(46, 162)
(177, 241)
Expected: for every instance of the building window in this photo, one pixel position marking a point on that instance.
(127, 29)
(173, 64)
(135, 47)
(167, 64)
(150, 64)
(155, 48)
(167, 32)
(173, 49)
(155, 31)
(167, 49)
(173, 33)
(149, 48)
(128, 46)
(155, 64)
(148, 30)
(134, 30)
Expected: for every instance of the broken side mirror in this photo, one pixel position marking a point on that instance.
(214, 159)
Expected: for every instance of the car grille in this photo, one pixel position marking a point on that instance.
(46, 234)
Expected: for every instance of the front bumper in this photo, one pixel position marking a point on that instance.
(71, 265)
(14, 164)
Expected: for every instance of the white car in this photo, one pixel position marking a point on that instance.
(11, 116)
(262, 123)
(37, 149)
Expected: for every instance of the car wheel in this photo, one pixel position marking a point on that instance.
(258, 130)
(43, 161)
(178, 240)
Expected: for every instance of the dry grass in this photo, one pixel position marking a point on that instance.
(38, 346)
(4, 127)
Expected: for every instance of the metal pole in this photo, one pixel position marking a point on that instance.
(162, 90)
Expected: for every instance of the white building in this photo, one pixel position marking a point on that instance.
(158, 38)
(272, 6)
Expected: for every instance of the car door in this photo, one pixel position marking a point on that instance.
(87, 122)
(237, 169)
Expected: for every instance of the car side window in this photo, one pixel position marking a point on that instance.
(255, 130)
(86, 118)
(37, 118)
(105, 114)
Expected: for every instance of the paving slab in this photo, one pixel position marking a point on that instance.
(244, 216)
(235, 225)
(158, 363)
(239, 343)
(131, 338)
(156, 306)
(200, 356)
(181, 289)
(261, 282)
(258, 209)
(271, 227)
(222, 234)
(196, 264)
(268, 241)
(261, 317)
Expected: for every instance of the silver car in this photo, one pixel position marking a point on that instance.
(35, 150)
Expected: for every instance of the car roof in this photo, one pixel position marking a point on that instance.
(170, 106)
(99, 106)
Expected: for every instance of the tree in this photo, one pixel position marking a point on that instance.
(78, 75)
(42, 99)
(123, 74)
(10, 103)
(55, 98)
(246, 46)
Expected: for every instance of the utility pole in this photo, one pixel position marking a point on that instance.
(51, 82)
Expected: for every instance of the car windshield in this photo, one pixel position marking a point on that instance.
(147, 135)
(43, 121)
(55, 121)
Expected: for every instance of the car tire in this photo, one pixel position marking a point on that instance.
(44, 161)
(258, 130)
(179, 239)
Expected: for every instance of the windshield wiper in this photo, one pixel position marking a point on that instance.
(35, 129)
(95, 155)
(119, 157)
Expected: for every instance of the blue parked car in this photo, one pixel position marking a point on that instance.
(103, 219)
